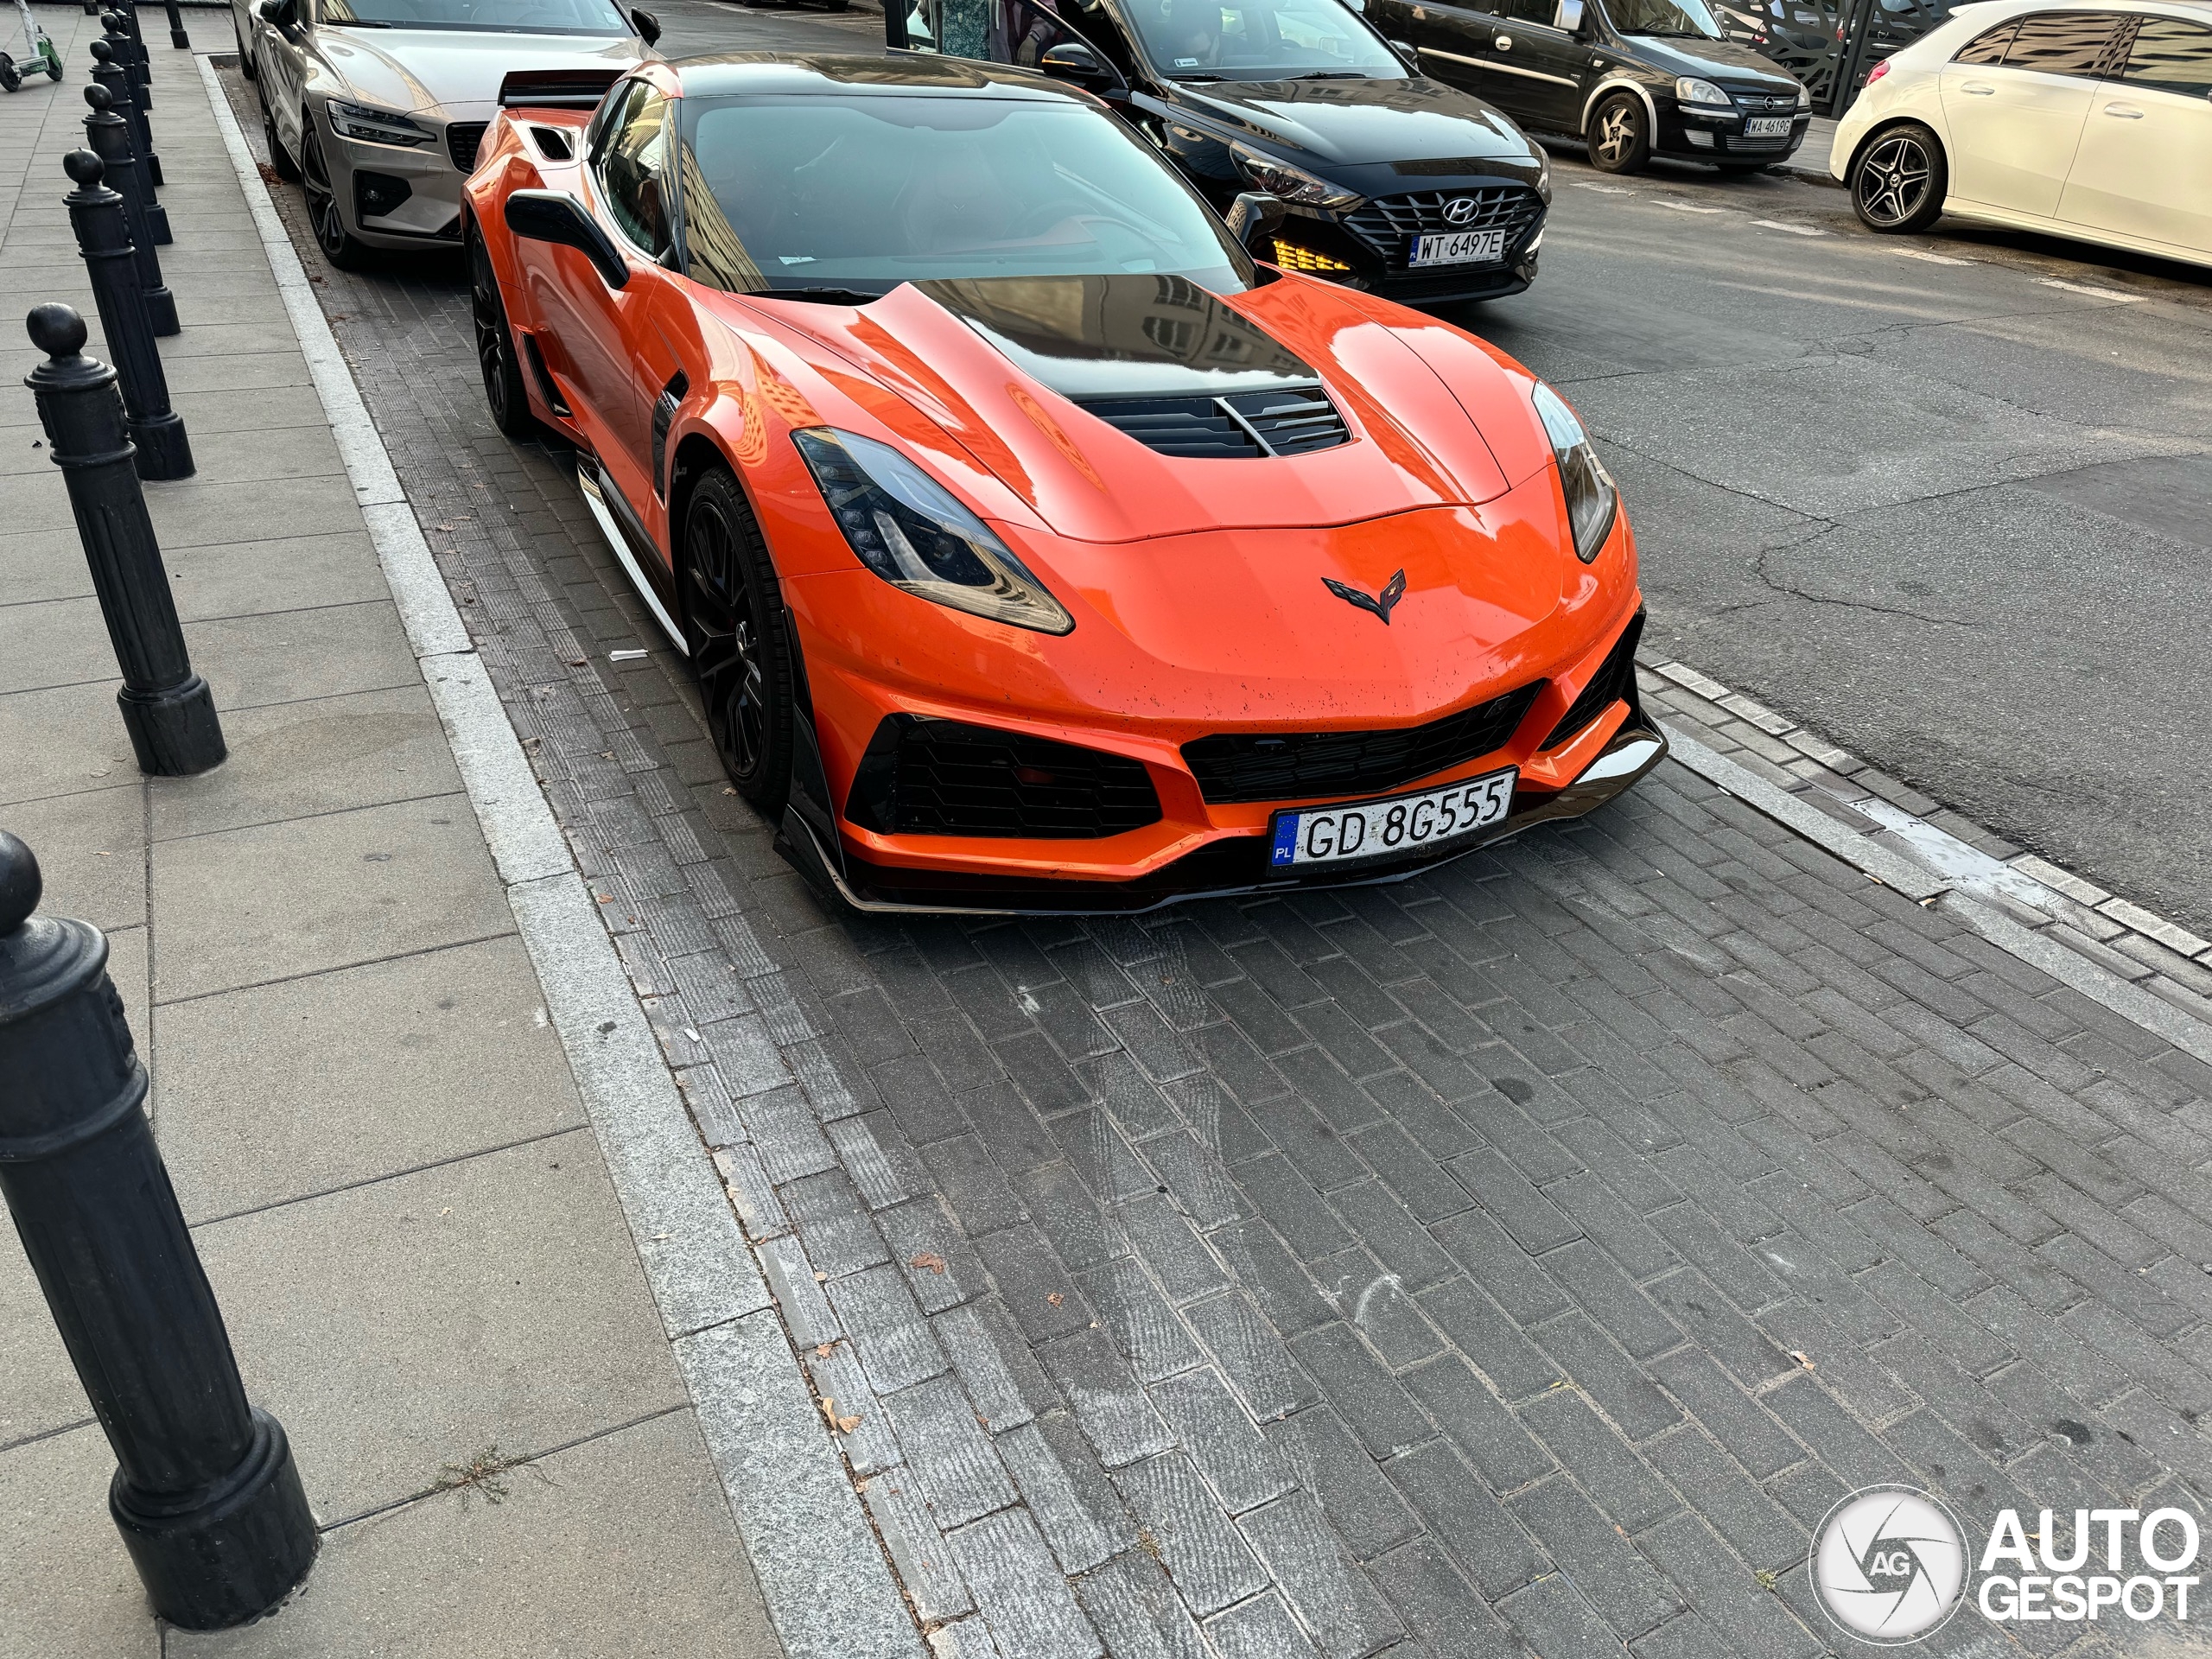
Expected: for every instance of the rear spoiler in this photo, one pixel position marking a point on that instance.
(557, 89)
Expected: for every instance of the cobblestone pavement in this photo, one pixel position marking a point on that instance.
(1529, 1254)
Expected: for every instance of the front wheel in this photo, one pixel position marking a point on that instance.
(10, 76)
(1898, 181)
(495, 345)
(338, 244)
(1620, 136)
(734, 623)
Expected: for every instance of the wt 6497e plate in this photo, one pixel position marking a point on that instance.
(1333, 834)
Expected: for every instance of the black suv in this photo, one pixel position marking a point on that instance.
(1635, 78)
(1391, 181)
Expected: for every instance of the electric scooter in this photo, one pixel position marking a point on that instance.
(41, 54)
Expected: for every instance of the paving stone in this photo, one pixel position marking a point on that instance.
(1324, 1461)
(1116, 1416)
(1332, 1597)
(894, 1340)
(1036, 1288)
(1021, 1590)
(1370, 1399)
(1260, 1628)
(1144, 1327)
(1243, 1468)
(1620, 1583)
(983, 1357)
(1492, 1548)
(1206, 1555)
(948, 1452)
(1607, 1467)
(1137, 1611)
(919, 1553)
(1068, 1495)
(1553, 1618)
(1436, 1604)
(1252, 1355)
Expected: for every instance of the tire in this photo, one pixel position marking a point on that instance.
(495, 346)
(247, 66)
(54, 68)
(1898, 180)
(733, 621)
(280, 158)
(325, 215)
(10, 76)
(1620, 135)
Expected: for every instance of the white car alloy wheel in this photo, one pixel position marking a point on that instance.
(1898, 182)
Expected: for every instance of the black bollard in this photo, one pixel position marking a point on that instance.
(178, 38)
(104, 238)
(109, 135)
(109, 72)
(167, 708)
(206, 1493)
(136, 58)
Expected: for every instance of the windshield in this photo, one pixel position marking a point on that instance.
(1686, 19)
(506, 17)
(873, 191)
(1261, 39)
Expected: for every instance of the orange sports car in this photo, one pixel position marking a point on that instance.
(1035, 546)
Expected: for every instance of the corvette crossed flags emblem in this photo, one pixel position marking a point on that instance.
(1379, 604)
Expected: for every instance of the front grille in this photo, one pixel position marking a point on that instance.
(461, 139)
(940, 778)
(1614, 680)
(1293, 421)
(1766, 104)
(1390, 225)
(1300, 765)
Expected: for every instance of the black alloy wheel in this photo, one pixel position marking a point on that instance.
(495, 345)
(280, 160)
(324, 216)
(1620, 136)
(740, 639)
(1898, 182)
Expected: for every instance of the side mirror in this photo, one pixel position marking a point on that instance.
(279, 14)
(648, 25)
(1408, 53)
(1076, 63)
(1253, 219)
(556, 217)
(1569, 17)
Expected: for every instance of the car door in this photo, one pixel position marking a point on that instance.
(1548, 65)
(1458, 45)
(591, 325)
(2015, 124)
(282, 50)
(2145, 164)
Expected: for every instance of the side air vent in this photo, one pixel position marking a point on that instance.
(556, 89)
(665, 407)
(553, 143)
(1292, 421)
(941, 777)
(546, 388)
(1614, 680)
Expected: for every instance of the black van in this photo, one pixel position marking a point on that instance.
(1392, 182)
(1635, 78)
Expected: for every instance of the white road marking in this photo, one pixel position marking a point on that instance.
(1685, 208)
(1793, 230)
(1603, 190)
(2093, 293)
(1932, 258)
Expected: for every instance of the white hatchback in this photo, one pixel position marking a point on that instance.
(2092, 120)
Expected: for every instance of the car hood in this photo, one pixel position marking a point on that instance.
(992, 374)
(1726, 61)
(1363, 123)
(416, 69)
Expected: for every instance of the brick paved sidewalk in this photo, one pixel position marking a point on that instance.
(384, 1156)
(1529, 1254)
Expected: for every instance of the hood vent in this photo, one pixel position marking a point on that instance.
(1291, 421)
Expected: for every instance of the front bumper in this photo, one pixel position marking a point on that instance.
(401, 196)
(1350, 249)
(1686, 134)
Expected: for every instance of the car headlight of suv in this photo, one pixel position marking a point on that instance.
(1288, 183)
(1701, 94)
(375, 126)
(1592, 500)
(913, 532)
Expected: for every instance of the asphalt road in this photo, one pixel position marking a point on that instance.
(1905, 490)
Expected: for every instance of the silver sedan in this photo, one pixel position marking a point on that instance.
(376, 106)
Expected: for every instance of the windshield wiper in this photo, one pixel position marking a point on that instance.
(355, 23)
(1333, 74)
(1201, 75)
(824, 296)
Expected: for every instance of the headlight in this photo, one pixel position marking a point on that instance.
(1290, 183)
(1804, 98)
(911, 530)
(1592, 500)
(1688, 89)
(376, 126)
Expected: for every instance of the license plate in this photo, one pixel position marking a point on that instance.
(1766, 126)
(1435, 817)
(1459, 248)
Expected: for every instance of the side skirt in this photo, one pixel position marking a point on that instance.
(618, 523)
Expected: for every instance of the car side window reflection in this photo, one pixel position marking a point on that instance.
(2171, 56)
(1989, 47)
(2062, 42)
(633, 170)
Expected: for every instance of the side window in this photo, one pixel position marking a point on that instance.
(2062, 42)
(633, 170)
(2171, 56)
(1527, 11)
(1988, 47)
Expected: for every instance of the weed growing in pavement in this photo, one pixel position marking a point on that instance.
(485, 1474)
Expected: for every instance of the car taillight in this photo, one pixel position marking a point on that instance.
(1878, 71)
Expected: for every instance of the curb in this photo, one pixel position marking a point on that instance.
(755, 1411)
(2143, 968)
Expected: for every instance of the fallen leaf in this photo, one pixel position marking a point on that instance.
(821, 1278)
(1804, 1358)
(1055, 1299)
(847, 1425)
(929, 1261)
(823, 1349)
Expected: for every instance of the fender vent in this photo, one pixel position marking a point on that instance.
(552, 143)
(538, 372)
(1292, 421)
(665, 407)
(924, 777)
(1614, 680)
